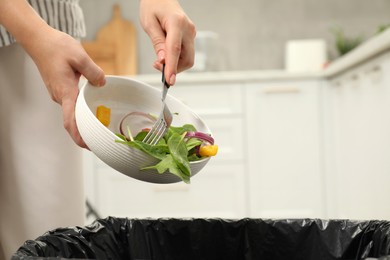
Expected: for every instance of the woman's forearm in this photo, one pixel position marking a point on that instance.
(21, 20)
(60, 58)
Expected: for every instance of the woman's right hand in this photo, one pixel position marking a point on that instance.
(172, 34)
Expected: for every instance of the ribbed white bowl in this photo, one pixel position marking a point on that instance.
(124, 95)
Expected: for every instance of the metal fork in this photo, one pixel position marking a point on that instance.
(164, 121)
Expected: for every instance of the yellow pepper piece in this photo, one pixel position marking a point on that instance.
(103, 114)
(208, 150)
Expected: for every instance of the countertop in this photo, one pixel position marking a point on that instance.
(369, 49)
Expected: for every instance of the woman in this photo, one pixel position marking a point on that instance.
(41, 184)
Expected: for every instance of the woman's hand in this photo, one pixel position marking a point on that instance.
(172, 34)
(61, 61)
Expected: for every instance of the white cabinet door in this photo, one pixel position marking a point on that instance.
(359, 151)
(214, 193)
(283, 126)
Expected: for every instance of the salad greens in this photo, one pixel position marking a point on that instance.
(174, 150)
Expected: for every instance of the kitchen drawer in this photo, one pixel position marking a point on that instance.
(212, 99)
(222, 185)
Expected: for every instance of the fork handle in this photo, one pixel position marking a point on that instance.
(163, 76)
(165, 84)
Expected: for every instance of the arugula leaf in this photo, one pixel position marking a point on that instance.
(182, 129)
(193, 158)
(157, 151)
(179, 130)
(122, 137)
(179, 152)
(168, 164)
(192, 142)
(173, 151)
(141, 135)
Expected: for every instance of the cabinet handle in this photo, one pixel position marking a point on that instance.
(336, 84)
(376, 68)
(281, 90)
(375, 73)
(355, 77)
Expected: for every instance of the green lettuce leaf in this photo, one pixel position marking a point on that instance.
(179, 152)
(168, 164)
(157, 151)
(173, 151)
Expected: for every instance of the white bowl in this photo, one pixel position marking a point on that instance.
(123, 95)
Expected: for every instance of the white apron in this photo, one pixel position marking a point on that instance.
(41, 181)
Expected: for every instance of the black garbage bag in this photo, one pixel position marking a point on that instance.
(187, 239)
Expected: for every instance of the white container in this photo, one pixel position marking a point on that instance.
(305, 55)
(205, 51)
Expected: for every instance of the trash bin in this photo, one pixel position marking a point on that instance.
(187, 239)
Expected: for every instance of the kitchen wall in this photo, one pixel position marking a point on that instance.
(253, 33)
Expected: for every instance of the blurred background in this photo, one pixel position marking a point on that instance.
(296, 93)
(252, 34)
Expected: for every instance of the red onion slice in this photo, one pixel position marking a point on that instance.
(148, 121)
(201, 136)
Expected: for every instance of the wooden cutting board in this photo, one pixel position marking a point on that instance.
(115, 47)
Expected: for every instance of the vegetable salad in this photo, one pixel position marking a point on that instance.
(175, 151)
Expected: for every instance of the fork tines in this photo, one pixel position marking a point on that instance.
(157, 132)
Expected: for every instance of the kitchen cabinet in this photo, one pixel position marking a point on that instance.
(118, 195)
(357, 115)
(284, 149)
